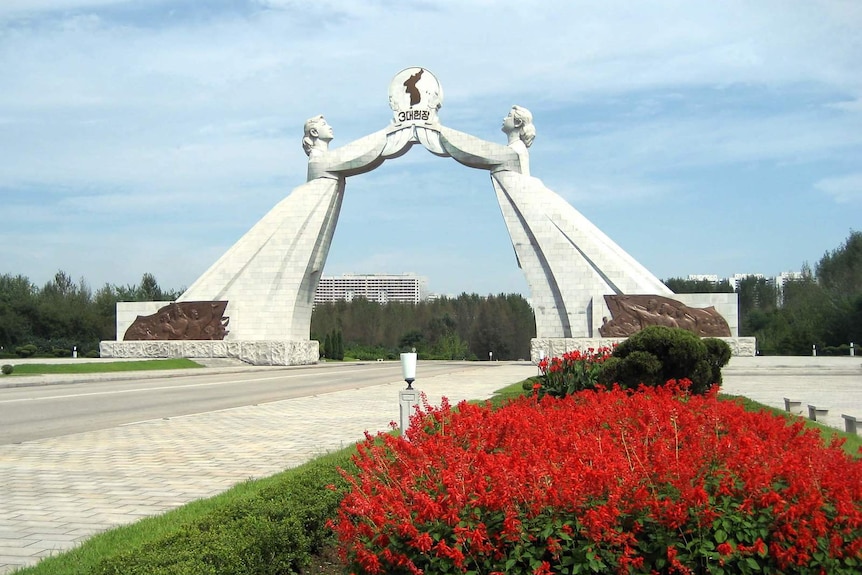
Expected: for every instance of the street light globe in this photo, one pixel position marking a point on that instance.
(408, 368)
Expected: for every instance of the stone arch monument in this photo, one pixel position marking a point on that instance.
(255, 302)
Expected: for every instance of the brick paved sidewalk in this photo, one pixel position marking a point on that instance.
(54, 493)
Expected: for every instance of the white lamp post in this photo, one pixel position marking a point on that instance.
(408, 398)
(408, 368)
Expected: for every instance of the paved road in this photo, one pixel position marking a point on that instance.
(51, 406)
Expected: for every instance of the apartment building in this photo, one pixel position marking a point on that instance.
(380, 288)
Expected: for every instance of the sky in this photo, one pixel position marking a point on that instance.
(147, 136)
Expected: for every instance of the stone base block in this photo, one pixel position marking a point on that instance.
(253, 352)
(557, 346)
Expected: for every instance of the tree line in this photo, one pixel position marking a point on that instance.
(823, 308)
(465, 327)
(64, 314)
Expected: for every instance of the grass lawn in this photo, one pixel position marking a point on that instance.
(99, 367)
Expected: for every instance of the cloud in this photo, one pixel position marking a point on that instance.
(17, 7)
(843, 189)
(122, 114)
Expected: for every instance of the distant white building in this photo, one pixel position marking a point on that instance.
(380, 288)
(784, 277)
(704, 278)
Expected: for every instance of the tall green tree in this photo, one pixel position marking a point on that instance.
(684, 285)
(65, 313)
(440, 328)
(756, 295)
(840, 271)
(17, 311)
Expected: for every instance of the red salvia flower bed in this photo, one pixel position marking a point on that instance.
(603, 481)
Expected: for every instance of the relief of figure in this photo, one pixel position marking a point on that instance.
(200, 322)
(194, 320)
(632, 313)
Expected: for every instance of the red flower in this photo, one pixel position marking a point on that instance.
(599, 473)
(423, 542)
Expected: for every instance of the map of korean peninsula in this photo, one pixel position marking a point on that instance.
(410, 87)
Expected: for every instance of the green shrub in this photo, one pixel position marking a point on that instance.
(843, 349)
(657, 354)
(26, 350)
(7, 369)
(369, 352)
(93, 353)
(638, 367)
(60, 352)
(718, 354)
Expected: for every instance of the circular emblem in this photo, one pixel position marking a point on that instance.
(415, 95)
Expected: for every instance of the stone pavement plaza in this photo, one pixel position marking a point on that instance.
(830, 383)
(56, 492)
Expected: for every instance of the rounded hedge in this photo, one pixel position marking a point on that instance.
(657, 354)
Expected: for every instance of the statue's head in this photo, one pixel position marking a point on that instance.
(315, 129)
(520, 120)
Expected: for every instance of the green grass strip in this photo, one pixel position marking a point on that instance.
(99, 367)
(229, 529)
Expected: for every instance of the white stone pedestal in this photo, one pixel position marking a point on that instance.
(557, 346)
(253, 352)
(408, 399)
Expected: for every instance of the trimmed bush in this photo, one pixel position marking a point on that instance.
(28, 350)
(7, 369)
(657, 354)
(718, 354)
